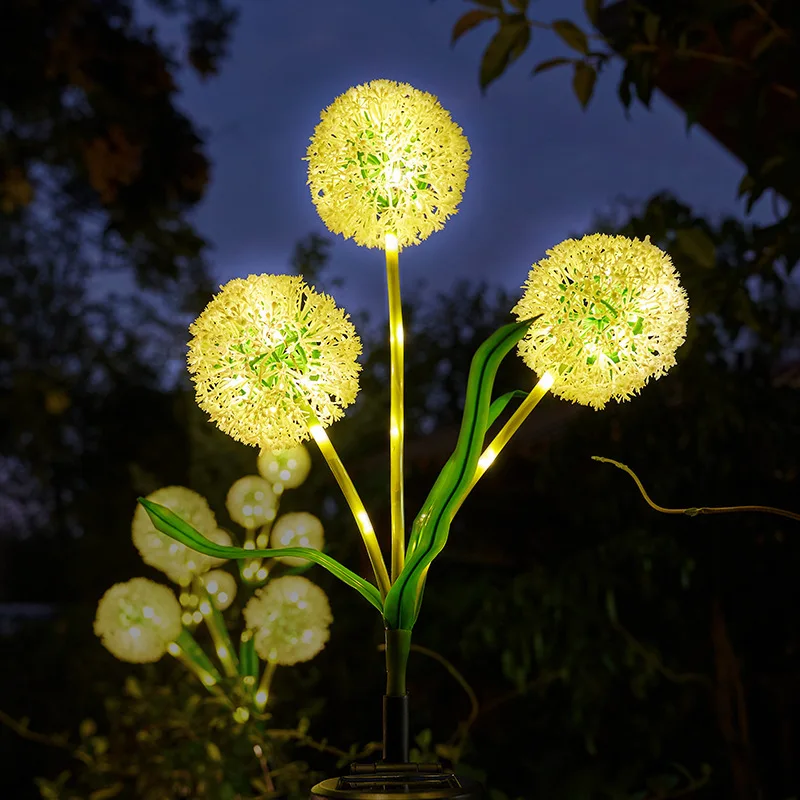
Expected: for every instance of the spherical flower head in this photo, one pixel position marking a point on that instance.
(265, 351)
(288, 468)
(137, 620)
(298, 529)
(290, 617)
(386, 158)
(613, 313)
(251, 501)
(175, 560)
(221, 587)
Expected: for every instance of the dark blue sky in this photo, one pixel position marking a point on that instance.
(541, 167)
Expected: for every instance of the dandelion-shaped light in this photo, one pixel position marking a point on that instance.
(265, 352)
(613, 313)
(137, 620)
(251, 501)
(297, 529)
(177, 561)
(386, 158)
(287, 468)
(221, 587)
(290, 618)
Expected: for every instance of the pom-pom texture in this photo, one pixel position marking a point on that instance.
(290, 617)
(386, 158)
(289, 468)
(175, 560)
(266, 350)
(137, 620)
(613, 313)
(221, 587)
(251, 501)
(297, 529)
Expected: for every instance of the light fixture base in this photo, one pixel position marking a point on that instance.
(384, 781)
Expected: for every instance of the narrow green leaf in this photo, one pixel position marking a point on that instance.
(572, 35)
(173, 526)
(651, 26)
(469, 21)
(583, 80)
(550, 64)
(592, 9)
(695, 243)
(503, 48)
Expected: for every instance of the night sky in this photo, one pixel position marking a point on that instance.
(541, 167)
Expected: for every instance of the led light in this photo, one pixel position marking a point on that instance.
(197, 617)
(222, 651)
(261, 574)
(205, 608)
(261, 698)
(241, 714)
(173, 649)
(208, 679)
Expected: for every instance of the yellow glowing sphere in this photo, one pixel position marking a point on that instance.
(290, 618)
(613, 313)
(221, 587)
(251, 501)
(386, 158)
(265, 352)
(137, 620)
(289, 468)
(298, 529)
(176, 561)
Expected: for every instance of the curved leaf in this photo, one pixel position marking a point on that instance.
(432, 525)
(173, 526)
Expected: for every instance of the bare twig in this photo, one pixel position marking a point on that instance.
(696, 512)
(22, 730)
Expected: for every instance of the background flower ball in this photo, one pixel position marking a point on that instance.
(137, 620)
(289, 468)
(290, 618)
(297, 529)
(158, 550)
(613, 313)
(221, 587)
(264, 352)
(251, 501)
(386, 158)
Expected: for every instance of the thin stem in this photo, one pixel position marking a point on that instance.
(186, 650)
(262, 694)
(354, 501)
(510, 428)
(695, 512)
(396, 414)
(215, 623)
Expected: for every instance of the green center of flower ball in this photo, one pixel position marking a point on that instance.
(290, 359)
(390, 178)
(598, 317)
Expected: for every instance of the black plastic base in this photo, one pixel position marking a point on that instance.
(413, 781)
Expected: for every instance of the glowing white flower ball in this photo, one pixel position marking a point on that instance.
(298, 529)
(251, 502)
(289, 468)
(221, 587)
(291, 618)
(179, 563)
(137, 620)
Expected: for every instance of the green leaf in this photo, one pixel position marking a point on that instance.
(583, 80)
(745, 185)
(432, 524)
(505, 46)
(696, 244)
(469, 21)
(520, 5)
(550, 64)
(173, 526)
(572, 35)
(592, 9)
(651, 25)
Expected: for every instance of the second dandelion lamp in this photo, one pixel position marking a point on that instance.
(274, 363)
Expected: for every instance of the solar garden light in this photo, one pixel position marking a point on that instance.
(274, 363)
